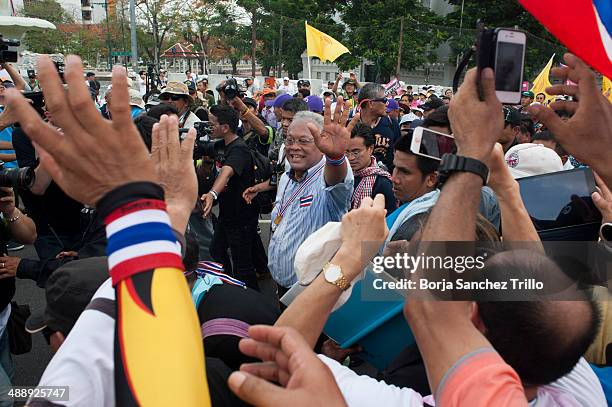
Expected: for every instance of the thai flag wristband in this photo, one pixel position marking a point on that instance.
(334, 161)
(138, 230)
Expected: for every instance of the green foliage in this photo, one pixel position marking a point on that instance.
(48, 41)
(501, 13)
(374, 28)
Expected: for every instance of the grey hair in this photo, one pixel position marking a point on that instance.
(370, 91)
(309, 117)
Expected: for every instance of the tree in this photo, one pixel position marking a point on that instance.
(373, 32)
(500, 13)
(48, 41)
(161, 17)
(281, 31)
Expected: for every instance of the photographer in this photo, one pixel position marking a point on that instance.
(237, 225)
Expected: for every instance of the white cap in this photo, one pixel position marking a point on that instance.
(529, 159)
(286, 78)
(136, 98)
(408, 118)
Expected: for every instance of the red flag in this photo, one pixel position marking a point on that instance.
(583, 26)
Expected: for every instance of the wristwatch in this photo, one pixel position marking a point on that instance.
(606, 231)
(455, 163)
(333, 275)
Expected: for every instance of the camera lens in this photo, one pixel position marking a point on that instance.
(17, 177)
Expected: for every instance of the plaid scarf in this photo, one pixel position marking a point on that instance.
(368, 179)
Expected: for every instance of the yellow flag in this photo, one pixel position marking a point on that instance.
(321, 45)
(542, 81)
(606, 88)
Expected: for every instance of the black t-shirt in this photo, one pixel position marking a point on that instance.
(54, 207)
(382, 185)
(389, 129)
(232, 207)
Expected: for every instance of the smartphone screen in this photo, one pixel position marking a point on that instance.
(433, 144)
(560, 199)
(508, 66)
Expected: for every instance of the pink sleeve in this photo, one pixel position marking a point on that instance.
(481, 378)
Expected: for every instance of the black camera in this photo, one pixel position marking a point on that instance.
(277, 170)
(209, 148)
(38, 102)
(230, 89)
(203, 130)
(8, 50)
(203, 144)
(16, 177)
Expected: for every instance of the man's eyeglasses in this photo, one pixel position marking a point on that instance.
(353, 154)
(383, 100)
(300, 142)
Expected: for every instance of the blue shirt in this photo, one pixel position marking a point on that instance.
(136, 111)
(311, 209)
(7, 135)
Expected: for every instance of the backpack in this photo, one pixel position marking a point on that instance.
(262, 171)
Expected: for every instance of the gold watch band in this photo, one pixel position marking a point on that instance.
(343, 283)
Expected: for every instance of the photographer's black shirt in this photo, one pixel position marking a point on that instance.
(54, 208)
(232, 207)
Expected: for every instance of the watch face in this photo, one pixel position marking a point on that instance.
(332, 273)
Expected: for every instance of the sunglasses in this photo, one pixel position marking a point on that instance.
(174, 98)
(383, 100)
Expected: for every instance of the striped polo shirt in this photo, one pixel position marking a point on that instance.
(314, 206)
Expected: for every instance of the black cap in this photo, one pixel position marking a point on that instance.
(68, 291)
(250, 102)
(303, 82)
(432, 103)
(512, 116)
(190, 86)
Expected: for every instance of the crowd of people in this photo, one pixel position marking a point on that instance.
(146, 211)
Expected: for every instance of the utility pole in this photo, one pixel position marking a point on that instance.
(108, 39)
(133, 35)
(399, 52)
(280, 49)
(253, 38)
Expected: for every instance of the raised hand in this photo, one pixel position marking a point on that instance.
(174, 167)
(333, 140)
(288, 360)
(92, 156)
(587, 135)
(476, 124)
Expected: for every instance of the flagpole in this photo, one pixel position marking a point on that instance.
(308, 56)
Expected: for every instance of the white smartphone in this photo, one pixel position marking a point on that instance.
(432, 144)
(509, 65)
